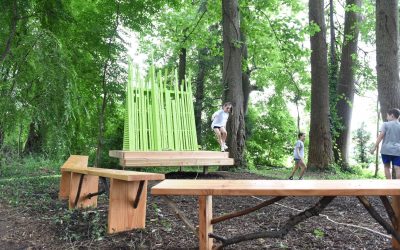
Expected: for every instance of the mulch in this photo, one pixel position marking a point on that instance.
(345, 224)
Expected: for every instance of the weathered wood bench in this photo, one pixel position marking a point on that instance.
(128, 192)
(172, 158)
(205, 189)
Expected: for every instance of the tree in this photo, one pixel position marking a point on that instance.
(361, 137)
(346, 86)
(387, 65)
(232, 78)
(320, 148)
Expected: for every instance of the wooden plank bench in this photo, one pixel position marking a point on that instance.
(128, 192)
(172, 158)
(205, 189)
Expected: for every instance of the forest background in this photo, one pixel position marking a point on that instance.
(63, 74)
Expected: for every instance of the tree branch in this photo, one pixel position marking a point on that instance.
(378, 218)
(313, 211)
(179, 213)
(13, 28)
(247, 210)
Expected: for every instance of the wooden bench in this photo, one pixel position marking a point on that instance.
(205, 189)
(172, 158)
(128, 192)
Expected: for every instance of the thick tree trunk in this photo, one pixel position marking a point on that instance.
(387, 64)
(345, 87)
(320, 148)
(182, 66)
(198, 105)
(232, 77)
(34, 143)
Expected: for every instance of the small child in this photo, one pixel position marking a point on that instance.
(219, 119)
(299, 156)
(390, 150)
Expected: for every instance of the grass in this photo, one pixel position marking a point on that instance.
(332, 173)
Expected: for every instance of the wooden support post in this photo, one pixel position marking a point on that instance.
(396, 208)
(205, 169)
(205, 226)
(63, 194)
(90, 184)
(122, 216)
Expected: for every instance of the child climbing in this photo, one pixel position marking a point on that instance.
(219, 119)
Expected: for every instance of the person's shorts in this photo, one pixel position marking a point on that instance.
(216, 127)
(395, 160)
(296, 160)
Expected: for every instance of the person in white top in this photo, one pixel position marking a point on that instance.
(298, 155)
(218, 124)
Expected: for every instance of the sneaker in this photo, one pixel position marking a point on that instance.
(291, 178)
(222, 149)
(301, 178)
(225, 147)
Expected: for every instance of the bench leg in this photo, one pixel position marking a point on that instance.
(396, 208)
(205, 226)
(90, 184)
(127, 209)
(63, 194)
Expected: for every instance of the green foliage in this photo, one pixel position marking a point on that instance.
(318, 233)
(362, 140)
(271, 133)
(80, 225)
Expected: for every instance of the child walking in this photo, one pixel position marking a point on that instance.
(390, 150)
(299, 156)
(219, 119)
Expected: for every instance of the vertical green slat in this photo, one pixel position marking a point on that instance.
(191, 114)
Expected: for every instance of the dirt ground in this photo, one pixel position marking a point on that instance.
(345, 224)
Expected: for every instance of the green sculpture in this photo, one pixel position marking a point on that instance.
(159, 113)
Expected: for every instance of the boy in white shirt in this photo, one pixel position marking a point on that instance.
(219, 119)
(299, 156)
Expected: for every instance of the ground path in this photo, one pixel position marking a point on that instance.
(24, 228)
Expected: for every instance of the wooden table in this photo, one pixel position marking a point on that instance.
(139, 159)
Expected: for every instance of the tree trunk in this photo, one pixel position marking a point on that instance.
(198, 105)
(345, 87)
(333, 74)
(100, 138)
(34, 142)
(386, 55)
(1, 137)
(245, 75)
(182, 66)
(232, 77)
(13, 27)
(320, 148)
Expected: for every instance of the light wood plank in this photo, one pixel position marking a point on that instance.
(125, 174)
(122, 216)
(76, 161)
(159, 162)
(166, 154)
(90, 184)
(117, 174)
(278, 187)
(73, 162)
(205, 226)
